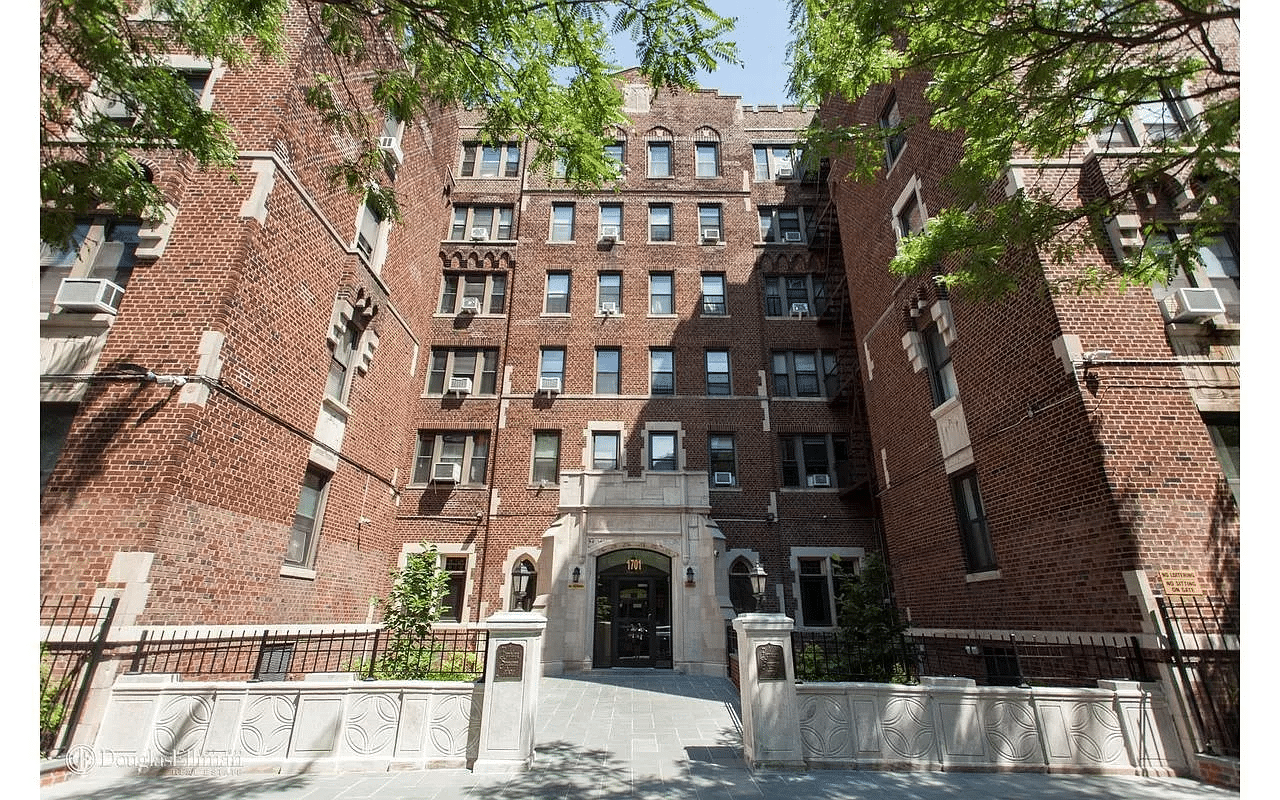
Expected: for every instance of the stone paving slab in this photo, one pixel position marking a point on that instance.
(642, 735)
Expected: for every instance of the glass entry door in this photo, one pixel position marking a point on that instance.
(633, 610)
(633, 624)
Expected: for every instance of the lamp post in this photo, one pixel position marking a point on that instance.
(759, 579)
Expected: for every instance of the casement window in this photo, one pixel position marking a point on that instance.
(741, 593)
(605, 449)
(490, 161)
(341, 361)
(370, 233)
(611, 221)
(713, 295)
(908, 214)
(782, 225)
(972, 519)
(707, 159)
(794, 295)
(55, 424)
(710, 224)
(661, 293)
(546, 457)
(478, 366)
(557, 296)
(942, 376)
(662, 371)
(1224, 432)
(1162, 119)
(895, 137)
(562, 222)
(609, 292)
(452, 457)
(804, 373)
(551, 366)
(481, 223)
(488, 290)
(659, 159)
(660, 222)
(608, 370)
(102, 250)
(821, 581)
(662, 451)
(812, 460)
(719, 381)
(452, 604)
(775, 162)
(307, 518)
(722, 462)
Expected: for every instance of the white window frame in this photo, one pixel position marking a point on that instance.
(496, 223)
(479, 149)
(704, 225)
(774, 161)
(377, 253)
(796, 554)
(421, 478)
(80, 260)
(558, 225)
(909, 192)
(462, 282)
(451, 354)
(601, 298)
(699, 163)
(603, 223)
(653, 144)
(542, 364)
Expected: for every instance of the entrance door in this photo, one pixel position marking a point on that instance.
(633, 610)
(633, 624)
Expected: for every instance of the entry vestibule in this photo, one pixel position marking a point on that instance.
(633, 610)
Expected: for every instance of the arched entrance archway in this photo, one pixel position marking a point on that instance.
(633, 609)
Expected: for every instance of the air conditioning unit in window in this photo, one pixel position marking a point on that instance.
(460, 386)
(820, 480)
(609, 234)
(1189, 304)
(722, 479)
(608, 308)
(446, 473)
(711, 236)
(89, 294)
(792, 236)
(479, 234)
(391, 144)
(470, 305)
(784, 172)
(799, 309)
(548, 385)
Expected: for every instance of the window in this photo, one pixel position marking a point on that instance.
(909, 215)
(480, 366)
(710, 228)
(611, 221)
(609, 291)
(662, 375)
(307, 518)
(604, 450)
(978, 554)
(659, 159)
(722, 461)
(488, 290)
(101, 248)
(525, 573)
(662, 451)
(718, 378)
(741, 593)
(119, 111)
(485, 161)
(661, 293)
(369, 233)
(466, 451)
(707, 159)
(608, 370)
(1118, 134)
(942, 376)
(660, 229)
(804, 374)
(557, 299)
(1163, 119)
(55, 424)
(451, 606)
(781, 225)
(617, 153)
(546, 456)
(713, 296)
(794, 295)
(813, 460)
(895, 137)
(338, 384)
(1219, 268)
(821, 581)
(774, 162)
(481, 223)
(551, 365)
(1224, 432)
(562, 222)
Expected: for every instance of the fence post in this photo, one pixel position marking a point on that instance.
(770, 705)
(86, 680)
(509, 704)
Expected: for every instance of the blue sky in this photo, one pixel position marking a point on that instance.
(762, 33)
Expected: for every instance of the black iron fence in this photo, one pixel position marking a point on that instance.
(73, 636)
(835, 656)
(1204, 654)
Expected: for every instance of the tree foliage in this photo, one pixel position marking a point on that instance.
(1030, 78)
(538, 69)
(408, 611)
(867, 617)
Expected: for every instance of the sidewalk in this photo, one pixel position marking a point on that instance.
(640, 735)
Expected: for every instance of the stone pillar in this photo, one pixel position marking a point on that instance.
(770, 708)
(510, 702)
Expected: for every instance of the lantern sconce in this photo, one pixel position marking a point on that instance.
(759, 578)
(688, 577)
(577, 575)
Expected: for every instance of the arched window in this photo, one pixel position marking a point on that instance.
(524, 585)
(740, 586)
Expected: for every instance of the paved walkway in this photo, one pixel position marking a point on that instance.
(642, 734)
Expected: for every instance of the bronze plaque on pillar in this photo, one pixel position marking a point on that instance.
(769, 663)
(510, 660)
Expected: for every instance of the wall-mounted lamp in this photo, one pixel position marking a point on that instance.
(759, 579)
(577, 574)
(688, 576)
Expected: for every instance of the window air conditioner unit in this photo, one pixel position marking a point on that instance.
(722, 479)
(479, 234)
(549, 385)
(609, 234)
(608, 308)
(799, 309)
(391, 144)
(446, 472)
(460, 385)
(89, 294)
(471, 305)
(820, 480)
(711, 236)
(784, 172)
(1189, 304)
(792, 236)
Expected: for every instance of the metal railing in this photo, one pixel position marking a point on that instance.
(1204, 654)
(73, 636)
